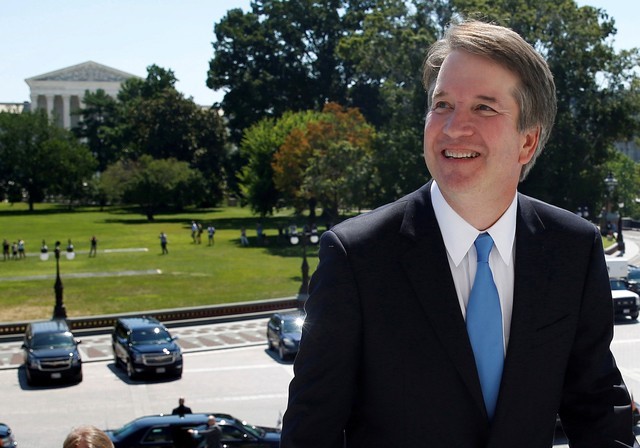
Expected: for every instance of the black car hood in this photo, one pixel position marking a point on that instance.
(52, 352)
(293, 336)
(155, 348)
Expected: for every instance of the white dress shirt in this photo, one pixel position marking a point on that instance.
(459, 237)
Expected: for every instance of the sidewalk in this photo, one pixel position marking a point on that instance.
(191, 339)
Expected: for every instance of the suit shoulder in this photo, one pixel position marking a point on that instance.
(554, 217)
(381, 223)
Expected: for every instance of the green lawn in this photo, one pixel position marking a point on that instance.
(191, 274)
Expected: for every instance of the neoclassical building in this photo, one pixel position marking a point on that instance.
(61, 92)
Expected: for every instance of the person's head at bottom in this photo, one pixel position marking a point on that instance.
(87, 436)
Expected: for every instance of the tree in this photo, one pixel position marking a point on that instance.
(625, 194)
(97, 127)
(276, 58)
(41, 159)
(152, 184)
(152, 118)
(383, 50)
(259, 144)
(325, 160)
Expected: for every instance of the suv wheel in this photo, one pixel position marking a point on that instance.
(281, 353)
(131, 373)
(30, 380)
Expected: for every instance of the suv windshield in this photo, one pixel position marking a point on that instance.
(293, 325)
(150, 336)
(53, 340)
(618, 285)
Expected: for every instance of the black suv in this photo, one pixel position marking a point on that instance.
(144, 346)
(51, 353)
(284, 331)
(172, 430)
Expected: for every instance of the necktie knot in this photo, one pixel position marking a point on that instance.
(483, 244)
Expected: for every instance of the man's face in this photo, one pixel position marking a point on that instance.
(472, 146)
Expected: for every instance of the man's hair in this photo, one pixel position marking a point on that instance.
(92, 436)
(536, 92)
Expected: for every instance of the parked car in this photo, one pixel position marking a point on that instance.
(633, 278)
(284, 331)
(155, 431)
(6, 437)
(144, 346)
(625, 302)
(51, 353)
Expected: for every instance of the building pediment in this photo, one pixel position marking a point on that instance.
(86, 72)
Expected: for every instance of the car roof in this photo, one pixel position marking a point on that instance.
(189, 419)
(139, 322)
(49, 326)
(290, 315)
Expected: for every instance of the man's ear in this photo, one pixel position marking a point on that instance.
(530, 141)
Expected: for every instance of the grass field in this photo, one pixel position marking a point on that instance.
(190, 275)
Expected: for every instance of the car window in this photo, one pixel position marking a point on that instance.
(52, 340)
(618, 285)
(150, 336)
(293, 325)
(634, 274)
(158, 434)
(232, 433)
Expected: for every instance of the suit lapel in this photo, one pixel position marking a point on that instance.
(425, 263)
(531, 277)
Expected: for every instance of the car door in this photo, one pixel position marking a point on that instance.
(120, 341)
(233, 437)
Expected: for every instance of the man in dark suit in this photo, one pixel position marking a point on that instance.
(387, 358)
(181, 409)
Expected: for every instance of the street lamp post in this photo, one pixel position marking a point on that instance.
(59, 310)
(611, 182)
(306, 238)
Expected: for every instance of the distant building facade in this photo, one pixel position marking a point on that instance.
(629, 149)
(15, 108)
(61, 92)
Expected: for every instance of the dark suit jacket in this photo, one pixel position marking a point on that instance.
(385, 354)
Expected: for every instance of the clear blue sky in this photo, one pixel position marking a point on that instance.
(39, 36)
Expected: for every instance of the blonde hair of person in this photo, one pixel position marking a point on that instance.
(87, 436)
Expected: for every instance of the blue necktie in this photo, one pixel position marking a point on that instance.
(484, 325)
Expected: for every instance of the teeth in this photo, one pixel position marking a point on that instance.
(460, 155)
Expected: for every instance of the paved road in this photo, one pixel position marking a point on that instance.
(191, 339)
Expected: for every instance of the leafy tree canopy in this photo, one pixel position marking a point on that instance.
(296, 56)
(40, 159)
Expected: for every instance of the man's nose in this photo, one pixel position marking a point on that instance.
(458, 124)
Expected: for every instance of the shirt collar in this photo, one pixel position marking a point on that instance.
(459, 235)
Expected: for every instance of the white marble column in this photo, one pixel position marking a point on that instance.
(66, 111)
(50, 99)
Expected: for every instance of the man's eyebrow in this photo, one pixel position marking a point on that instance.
(487, 98)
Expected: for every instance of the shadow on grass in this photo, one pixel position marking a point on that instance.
(50, 210)
(279, 246)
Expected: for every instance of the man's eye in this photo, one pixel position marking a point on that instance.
(440, 105)
(485, 108)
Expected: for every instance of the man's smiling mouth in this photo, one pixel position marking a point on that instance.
(460, 155)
